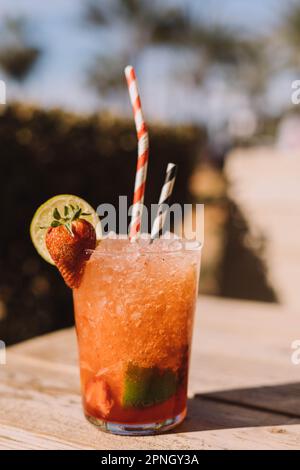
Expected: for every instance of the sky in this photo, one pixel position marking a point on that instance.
(59, 78)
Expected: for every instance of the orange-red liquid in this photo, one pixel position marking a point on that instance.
(134, 317)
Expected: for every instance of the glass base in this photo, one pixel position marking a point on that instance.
(138, 429)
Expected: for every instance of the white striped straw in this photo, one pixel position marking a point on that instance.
(143, 154)
(163, 203)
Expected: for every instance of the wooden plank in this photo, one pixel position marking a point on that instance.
(240, 348)
(44, 403)
(280, 399)
(243, 355)
(58, 347)
(240, 369)
(12, 438)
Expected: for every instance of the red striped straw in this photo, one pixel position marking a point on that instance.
(143, 154)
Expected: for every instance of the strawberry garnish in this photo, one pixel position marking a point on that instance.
(67, 239)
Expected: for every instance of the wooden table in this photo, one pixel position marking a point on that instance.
(244, 390)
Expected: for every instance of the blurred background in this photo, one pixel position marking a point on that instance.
(216, 83)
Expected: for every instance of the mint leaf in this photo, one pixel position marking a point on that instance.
(77, 214)
(55, 223)
(56, 214)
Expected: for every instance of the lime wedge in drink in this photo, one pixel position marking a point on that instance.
(148, 386)
(44, 214)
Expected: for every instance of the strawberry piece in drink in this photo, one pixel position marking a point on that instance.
(98, 398)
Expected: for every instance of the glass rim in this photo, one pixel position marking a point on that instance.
(188, 246)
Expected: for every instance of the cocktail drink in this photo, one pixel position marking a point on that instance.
(134, 301)
(134, 313)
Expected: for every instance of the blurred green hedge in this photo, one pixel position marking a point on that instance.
(44, 153)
